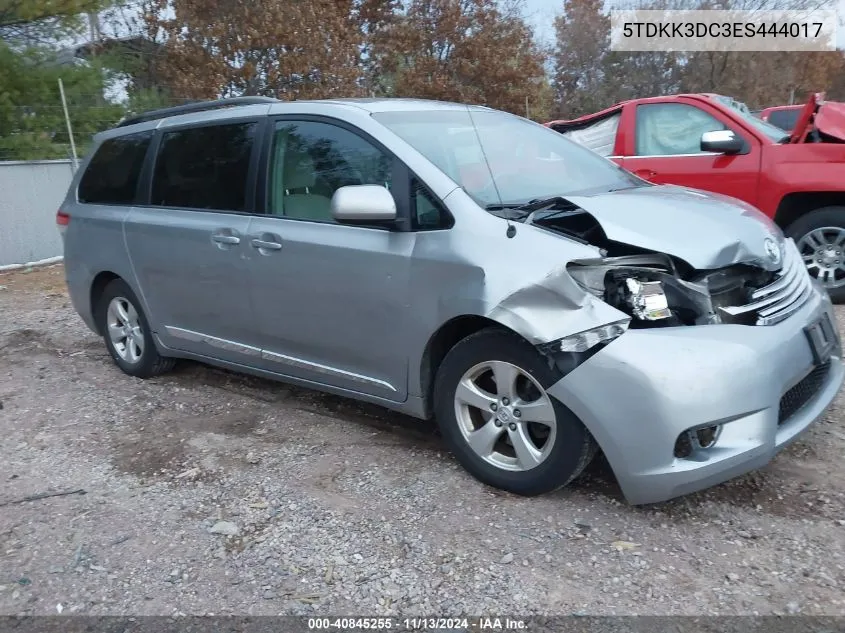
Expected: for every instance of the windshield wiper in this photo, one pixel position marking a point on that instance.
(527, 208)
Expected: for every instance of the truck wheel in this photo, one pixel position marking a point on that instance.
(820, 237)
(495, 415)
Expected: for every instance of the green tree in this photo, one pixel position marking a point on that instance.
(32, 124)
(30, 22)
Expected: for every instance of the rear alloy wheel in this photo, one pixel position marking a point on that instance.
(500, 422)
(127, 333)
(820, 238)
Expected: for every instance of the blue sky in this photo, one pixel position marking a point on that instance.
(541, 13)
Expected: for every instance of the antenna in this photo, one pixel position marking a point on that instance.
(511, 226)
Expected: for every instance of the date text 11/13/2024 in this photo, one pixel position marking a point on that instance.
(416, 624)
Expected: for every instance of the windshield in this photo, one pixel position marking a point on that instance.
(772, 131)
(498, 158)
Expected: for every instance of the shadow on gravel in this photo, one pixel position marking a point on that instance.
(189, 374)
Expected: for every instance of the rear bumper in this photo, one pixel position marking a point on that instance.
(638, 394)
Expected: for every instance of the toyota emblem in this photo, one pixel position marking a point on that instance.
(772, 250)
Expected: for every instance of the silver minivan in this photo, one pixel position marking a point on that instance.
(458, 262)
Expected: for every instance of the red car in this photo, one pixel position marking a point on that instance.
(715, 143)
(784, 117)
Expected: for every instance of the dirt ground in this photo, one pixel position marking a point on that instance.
(203, 491)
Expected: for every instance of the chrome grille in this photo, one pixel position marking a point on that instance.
(784, 296)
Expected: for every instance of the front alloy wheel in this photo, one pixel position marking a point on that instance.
(820, 238)
(493, 408)
(505, 416)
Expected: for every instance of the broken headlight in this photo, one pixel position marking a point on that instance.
(637, 291)
(646, 299)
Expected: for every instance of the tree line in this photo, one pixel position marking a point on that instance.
(117, 57)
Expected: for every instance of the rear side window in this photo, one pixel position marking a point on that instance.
(599, 137)
(113, 172)
(204, 167)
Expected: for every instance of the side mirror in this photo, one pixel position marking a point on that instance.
(721, 142)
(363, 203)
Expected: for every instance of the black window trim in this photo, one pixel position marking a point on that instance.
(400, 175)
(447, 219)
(146, 180)
(746, 146)
(138, 184)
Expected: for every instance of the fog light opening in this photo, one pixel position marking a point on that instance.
(694, 440)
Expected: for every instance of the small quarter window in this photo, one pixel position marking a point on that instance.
(429, 213)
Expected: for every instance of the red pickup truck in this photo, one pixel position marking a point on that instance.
(715, 143)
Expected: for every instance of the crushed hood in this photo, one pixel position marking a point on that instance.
(828, 117)
(704, 229)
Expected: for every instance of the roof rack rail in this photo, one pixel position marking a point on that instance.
(197, 106)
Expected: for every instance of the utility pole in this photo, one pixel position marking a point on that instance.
(527, 111)
(69, 129)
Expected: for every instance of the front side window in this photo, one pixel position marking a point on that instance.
(670, 129)
(204, 167)
(113, 172)
(499, 158)
(310, 161)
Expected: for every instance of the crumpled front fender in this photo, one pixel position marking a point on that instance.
(551, 308)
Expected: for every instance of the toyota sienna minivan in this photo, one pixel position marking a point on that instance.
(457, 262)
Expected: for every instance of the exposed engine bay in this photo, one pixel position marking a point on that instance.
(657, 289)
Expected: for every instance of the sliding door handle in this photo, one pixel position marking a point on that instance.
(267, 246)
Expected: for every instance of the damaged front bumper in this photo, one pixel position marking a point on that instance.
(761, 385)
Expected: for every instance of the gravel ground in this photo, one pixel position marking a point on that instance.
(211, 492)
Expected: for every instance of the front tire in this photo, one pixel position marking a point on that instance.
(127, 333)
(498, 420)
(820, 237)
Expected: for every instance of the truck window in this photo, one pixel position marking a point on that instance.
(785, 119)
(671, 129)
(599, 137)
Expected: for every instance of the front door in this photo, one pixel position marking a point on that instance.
(667, 150)
(330, 299)
(188, 244)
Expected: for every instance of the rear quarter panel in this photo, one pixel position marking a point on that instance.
(93, 243)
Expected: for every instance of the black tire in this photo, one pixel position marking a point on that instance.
(826, 216)
(150, 363)
(573, 447)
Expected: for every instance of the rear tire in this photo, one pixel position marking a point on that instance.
(820, 235)
(529, 443)
(127, 333)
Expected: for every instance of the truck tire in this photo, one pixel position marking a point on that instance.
(820, 237)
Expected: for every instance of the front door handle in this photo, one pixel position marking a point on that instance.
(264, 245)
(646, 173)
